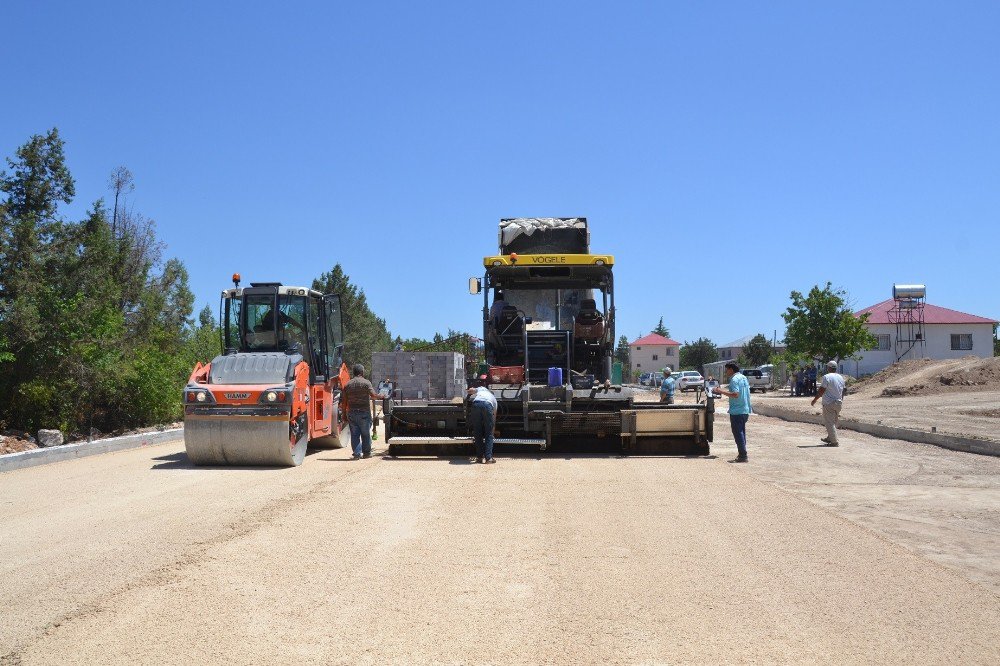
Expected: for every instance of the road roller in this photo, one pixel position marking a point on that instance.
(275, 388)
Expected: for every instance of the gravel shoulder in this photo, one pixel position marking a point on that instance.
(969, 414)
(138, 557)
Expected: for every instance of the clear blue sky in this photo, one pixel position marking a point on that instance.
(776, 145)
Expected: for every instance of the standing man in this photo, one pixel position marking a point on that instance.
(482, 418)
(832, 391)
(739, 408)
(358, 394)
(667, 387)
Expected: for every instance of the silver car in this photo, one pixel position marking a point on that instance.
(689, 380)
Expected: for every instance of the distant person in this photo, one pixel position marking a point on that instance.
(358, 394)
(482, 419)
(800, 382)
(667, 387)
(711, 384)
(831, 390)
(739, 408)
(811, 380)
(499, 303)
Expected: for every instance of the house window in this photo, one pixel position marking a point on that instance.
(670, 351)
(883, 342)
(656, 357)
(961, 341)
(638, 348)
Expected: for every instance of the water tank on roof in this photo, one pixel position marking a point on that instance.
(903, 291)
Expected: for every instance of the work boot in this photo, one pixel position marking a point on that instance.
(739, 459)
(367, 455)
(480, 460)
(490, 461)
(356, 456)
(825, 440)
(828, 443)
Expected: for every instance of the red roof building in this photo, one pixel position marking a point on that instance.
(944, 334)
(652, 353)
(654, 339)
(933, 314)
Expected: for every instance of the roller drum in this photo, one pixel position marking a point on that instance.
(242, 441)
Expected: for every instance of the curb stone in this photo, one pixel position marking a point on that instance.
(44, 456)
(984, 447)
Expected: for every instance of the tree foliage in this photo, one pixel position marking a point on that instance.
(661, 329)
(757, 351)
(623, 354)
(696, 354)
(364, 332)
(821, 327)
(94, 331)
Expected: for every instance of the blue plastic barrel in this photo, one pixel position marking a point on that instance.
(555, 376)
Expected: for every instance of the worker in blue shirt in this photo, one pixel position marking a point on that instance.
(739, 408)
(667, 387)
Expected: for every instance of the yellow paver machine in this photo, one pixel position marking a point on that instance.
(549, 337)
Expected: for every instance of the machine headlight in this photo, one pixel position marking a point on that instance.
(272, 396)
(200, 396)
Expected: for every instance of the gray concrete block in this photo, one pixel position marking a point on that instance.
(49, 438)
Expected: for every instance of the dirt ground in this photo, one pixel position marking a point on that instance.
(877, 551)
(959, 397)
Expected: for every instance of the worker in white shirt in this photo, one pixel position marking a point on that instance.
(482, 418)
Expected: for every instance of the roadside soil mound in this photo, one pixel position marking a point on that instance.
(929, 377)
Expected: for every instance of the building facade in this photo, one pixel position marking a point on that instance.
(652, 353)
(945, 334)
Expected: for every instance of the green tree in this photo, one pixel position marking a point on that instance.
(757, 351)
(696, 354)
(623, 355)
(821, 327)
(90, 333)
(364, 332)
(661, 329)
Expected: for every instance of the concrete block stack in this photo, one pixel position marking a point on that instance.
(421, 375)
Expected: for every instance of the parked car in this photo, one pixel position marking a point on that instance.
(689, 380)
(759, 378)
(644, 378)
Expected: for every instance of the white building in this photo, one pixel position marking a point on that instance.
(652, 353)
(946, 334)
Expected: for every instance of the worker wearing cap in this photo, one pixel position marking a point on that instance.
(667, 387)
(831, 390)
(358, 394)
(482, 418)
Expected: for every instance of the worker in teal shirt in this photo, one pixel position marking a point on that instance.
(667, 387)
(739, 408)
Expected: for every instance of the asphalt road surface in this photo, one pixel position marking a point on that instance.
(139, 557)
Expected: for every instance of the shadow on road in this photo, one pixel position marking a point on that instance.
(471, 460)
(180, 460)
